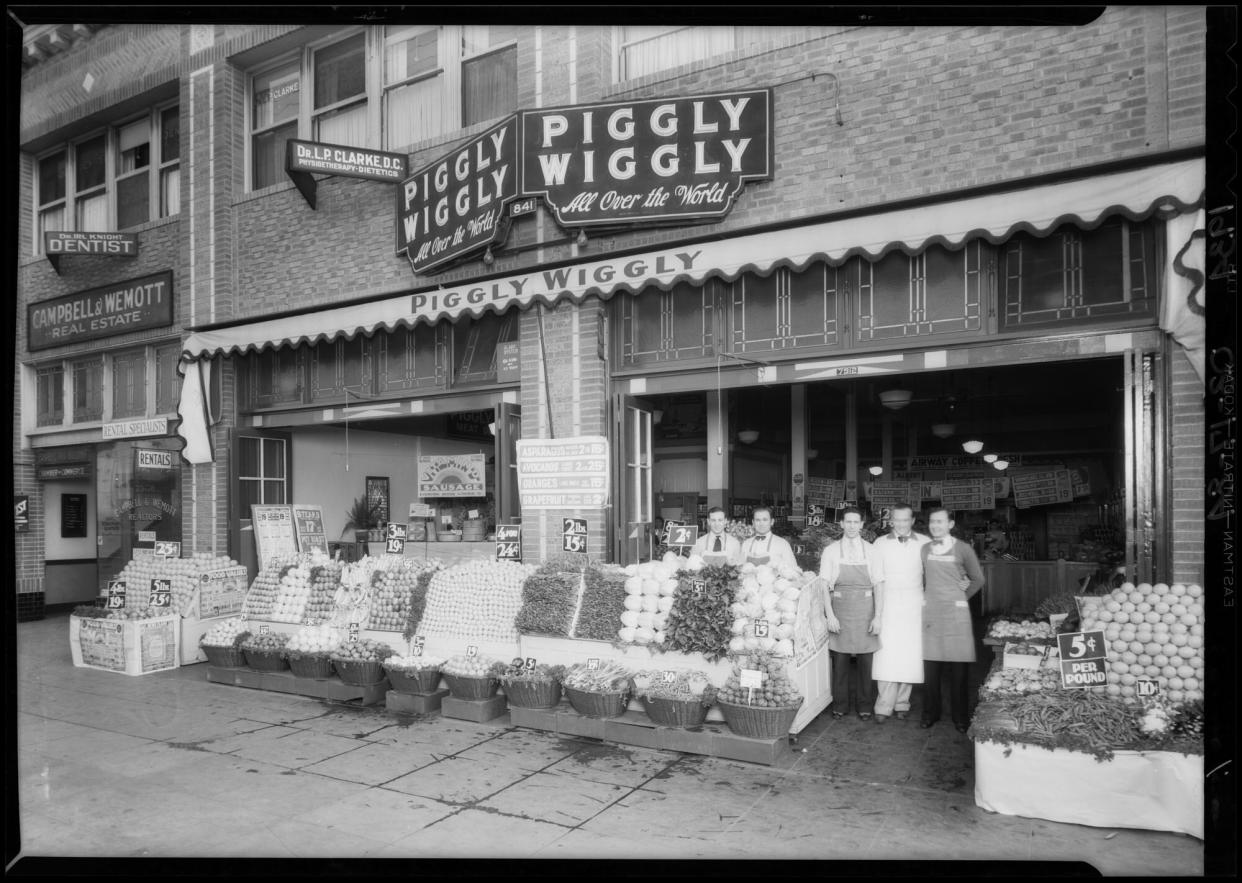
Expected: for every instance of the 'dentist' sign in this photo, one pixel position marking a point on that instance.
(454, 206)
(657, 160)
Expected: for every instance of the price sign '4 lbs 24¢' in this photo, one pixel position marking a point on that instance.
(508, 542)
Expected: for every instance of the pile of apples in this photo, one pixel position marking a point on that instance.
(292, 594)
(261, 599)
(765, 596)
(479, 666)
(775, 689)
(1153, 631)
(325, 580)
(314, 639)
(224, 633)
(364, 650)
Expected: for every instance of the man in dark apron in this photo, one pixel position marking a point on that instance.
(717, 546)
(853, 575)
(951, 575)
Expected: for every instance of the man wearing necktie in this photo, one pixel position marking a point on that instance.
(766, 547)
(716, 546)
(899, 662)
(853, 577)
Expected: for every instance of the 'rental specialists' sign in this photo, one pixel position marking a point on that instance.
(454, 206)
(647, 161)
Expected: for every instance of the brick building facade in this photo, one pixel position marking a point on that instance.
(867, 121)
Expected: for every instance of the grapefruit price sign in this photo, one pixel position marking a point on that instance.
(1084, 659)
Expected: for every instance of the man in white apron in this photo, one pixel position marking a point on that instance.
(716, 546)
(766, 547)
(951, 575)
(854, 604)
(899, 662)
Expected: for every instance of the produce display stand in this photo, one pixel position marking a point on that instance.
(1153, 790)
(288, 682)
(475, 710)
(635, 728)
(219, 595)
(414, 703)
(131, 647)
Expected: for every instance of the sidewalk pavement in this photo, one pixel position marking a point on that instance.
(169, 765)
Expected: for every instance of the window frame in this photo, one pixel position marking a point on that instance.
(102, 365)
(70, 202)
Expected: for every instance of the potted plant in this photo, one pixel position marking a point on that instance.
(361, 519)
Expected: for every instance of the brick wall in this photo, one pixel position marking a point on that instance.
(1187, 416)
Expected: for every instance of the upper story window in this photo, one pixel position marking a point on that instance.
(120, 178)
(386, 88)
(645, 49)
(133, 383)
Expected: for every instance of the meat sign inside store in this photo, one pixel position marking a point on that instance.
(619, 164)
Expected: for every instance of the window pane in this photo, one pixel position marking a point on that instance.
(340, 71)
(759, 307)
(1042, 282)
(890, 290)
(414, 112)
(87, 390)
(170, 192)
(489, 86)
(251, 493)
(276, 96)
(248, 455)
(273, 458)
(405, 57)
(652, 48)
(946, 283)
(345, 126)
(133, 201)
(273, 492)
(90, 165)
(170, 135)
(129, 384)
(50, 396)
(167, 385)
(689, 317)
(1103, 278)
(475, 39)
(54, 219)
(134, 142)
(52, 178)
(92, 213)
(269, 155)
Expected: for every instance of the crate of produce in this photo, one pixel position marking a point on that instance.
(759, 721)
(131, 646)
(1024, 655)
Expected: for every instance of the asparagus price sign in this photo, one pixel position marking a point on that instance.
(1084, 659)
(563, 473)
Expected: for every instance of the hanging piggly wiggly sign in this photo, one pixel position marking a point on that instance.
(452, 475)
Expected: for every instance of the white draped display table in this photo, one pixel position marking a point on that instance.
(1154, 790)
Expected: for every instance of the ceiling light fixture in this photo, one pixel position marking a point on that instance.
(943, 430)
(989, 458)
(895, 399)
(972, 446)
(876, 470)
(1001, 464)
(748, 436)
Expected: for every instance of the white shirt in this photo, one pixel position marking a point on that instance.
(706, 545)
(903, 563)
(776, 549)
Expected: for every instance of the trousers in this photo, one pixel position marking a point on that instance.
(958, 702)
(843, 674)
(892, 696)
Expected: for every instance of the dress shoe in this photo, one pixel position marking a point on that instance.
(864, 715)
(837, 715)
(925, 723)
(902, 715)
(881, 718)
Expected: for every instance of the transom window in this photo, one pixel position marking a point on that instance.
(645, 49)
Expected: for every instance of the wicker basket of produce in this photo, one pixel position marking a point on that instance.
(266, 660)
(359, 672)
(597, 704)
(224, 657)
(418, 680)
(674, 712)
(533, 694)
(310, 665)
(471, 688)
(759, 721)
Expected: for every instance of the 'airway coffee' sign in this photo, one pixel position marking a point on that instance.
(647, 161)
(454, 206)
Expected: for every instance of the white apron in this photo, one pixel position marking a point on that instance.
(900, 657)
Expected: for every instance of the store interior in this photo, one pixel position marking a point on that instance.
(1065, 413)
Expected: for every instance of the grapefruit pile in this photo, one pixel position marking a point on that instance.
(1155, 632)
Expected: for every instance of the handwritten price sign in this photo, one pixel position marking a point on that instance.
(683, 535)
(573, 534)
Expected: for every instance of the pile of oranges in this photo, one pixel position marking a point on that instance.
(1153, 632)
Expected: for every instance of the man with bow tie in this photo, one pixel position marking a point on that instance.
(766, 547)
(718, 546)
(898, 663)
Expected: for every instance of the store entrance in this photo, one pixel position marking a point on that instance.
(1047, 499)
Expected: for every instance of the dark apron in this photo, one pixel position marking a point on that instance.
(853, 603)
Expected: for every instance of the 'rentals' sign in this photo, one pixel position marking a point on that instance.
(454, 206)
(146, 302)
(647, 161)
